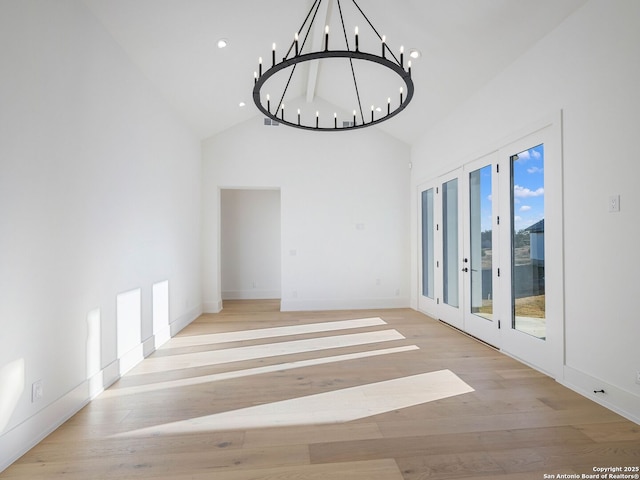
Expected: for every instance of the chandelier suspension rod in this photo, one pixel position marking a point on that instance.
(353, 72)
(376, 31)
(316, 4)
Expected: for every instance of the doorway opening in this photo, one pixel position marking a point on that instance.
(250, 251)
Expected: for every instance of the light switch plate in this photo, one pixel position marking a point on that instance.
(614, 203)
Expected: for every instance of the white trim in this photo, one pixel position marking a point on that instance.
(131, 358)
(252, 294)
(212, 307)
(160, 338)
(184, 320)
(24, 436)
(616, 399)
(343, 304)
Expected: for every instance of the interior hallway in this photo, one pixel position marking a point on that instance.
(255, 393)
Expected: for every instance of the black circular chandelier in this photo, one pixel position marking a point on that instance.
(297, 56)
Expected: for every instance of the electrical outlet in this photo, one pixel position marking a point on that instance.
(36, 391)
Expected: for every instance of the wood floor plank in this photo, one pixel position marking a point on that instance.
(581, 458)
(136, 464)
(319, 434)
(400, 447)
(449, 466)
(513, 424)
(612, 432)
(502, 421)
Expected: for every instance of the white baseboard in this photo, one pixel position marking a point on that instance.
(160, 338)
(182, 321)
(20, 439)
(253, 294)
(23, 437)
(301, 305)
(131, 358)
(212, 307)
(616, 399)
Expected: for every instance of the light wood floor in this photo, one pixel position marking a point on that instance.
(169, 417)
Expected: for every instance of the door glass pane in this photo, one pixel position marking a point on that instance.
(450, 255)
(427, 244)
(527, 241)
(481, 240)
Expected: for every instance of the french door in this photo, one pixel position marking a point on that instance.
(531, 283)
(441, 243)
(491, 249)
(481, 252)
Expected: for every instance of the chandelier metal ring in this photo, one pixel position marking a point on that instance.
(354, 55)
(295, 56)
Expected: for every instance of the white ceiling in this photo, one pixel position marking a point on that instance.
(464, 44)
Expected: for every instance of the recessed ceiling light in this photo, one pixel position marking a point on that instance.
(222, 43)
(413, 53)
(242, 104)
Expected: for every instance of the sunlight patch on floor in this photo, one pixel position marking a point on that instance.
(324, 408)
(187, 382)
(229, 355)
(272, 332)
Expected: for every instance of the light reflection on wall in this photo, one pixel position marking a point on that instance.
(94, 352)
(160, 294)
(11, 388)
(129, 329)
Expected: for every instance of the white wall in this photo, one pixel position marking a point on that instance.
(250, 244)
(345, 223)
(99, 196)
(589, 69)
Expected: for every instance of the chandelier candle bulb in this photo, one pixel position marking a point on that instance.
(388, 105)
(372, 108)
(402, 56)
(401, 92)
(357, 44)
(384, 42)
(268, 103)
(296, 42)
(298, 116)
(409, 65)
(354, 118)
(326, 37)
(282, 111)
(335, 120)
(260, 67)
(317, 118)
(273, 54)
(255, 77)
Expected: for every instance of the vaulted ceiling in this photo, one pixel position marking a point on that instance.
(464, 44)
